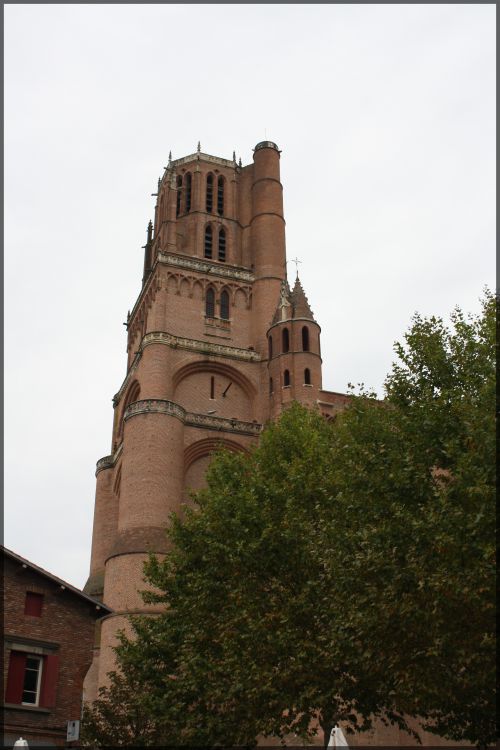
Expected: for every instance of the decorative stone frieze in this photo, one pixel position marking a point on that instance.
(107, 462)
(207, 422)
(201, 347)
(199, 156)
(205, 267)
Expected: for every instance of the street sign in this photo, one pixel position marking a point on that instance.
(73, 731)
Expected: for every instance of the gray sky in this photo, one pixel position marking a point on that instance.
(385, 115)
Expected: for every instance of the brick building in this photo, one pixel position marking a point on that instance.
(218, 344)
(49, 631)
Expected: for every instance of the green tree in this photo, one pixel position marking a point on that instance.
(341, 572)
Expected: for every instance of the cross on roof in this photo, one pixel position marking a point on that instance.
(296, 261)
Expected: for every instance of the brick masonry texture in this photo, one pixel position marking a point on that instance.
(67, 627)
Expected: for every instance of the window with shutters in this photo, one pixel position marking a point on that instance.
(32, 679)
(33, 604)
(220, 196)
(210, 193)
(222, 245)
(179, 195)
(224, 305)
(210, 303)
(208, 241)
(188, 192)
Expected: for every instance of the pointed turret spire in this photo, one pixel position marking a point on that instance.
(299, 301)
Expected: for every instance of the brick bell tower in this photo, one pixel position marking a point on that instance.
(217, 345)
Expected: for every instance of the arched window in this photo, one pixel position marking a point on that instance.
(307, 376)
(271, 385)
(210, 303)
(305, 339)
(222, 244)
(270, 346)
(286, 377)
(224, 305)
(220, 196)
(285, 340)
(179, 195)
(188, 192)
(208, 241)
(210, 193)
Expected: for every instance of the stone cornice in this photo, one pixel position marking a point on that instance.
(192, 345)
(207, 422)
(201, 347)
(107, 462)
(204, 266)
(199, 156)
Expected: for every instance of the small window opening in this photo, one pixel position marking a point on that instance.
(271, 389)
(220, 196)
(31, 686)
(270, 346)
(224, 305)
(307, 376)
(33, 604)
(210, 193)
(286, 377)
(222, 245)
(188, 192)
(212, 387)
(210, 304)
(208, 242)
(179, 195)
(305, 339)
(286, 340)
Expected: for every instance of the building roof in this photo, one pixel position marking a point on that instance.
(63, 584)
(292, 304)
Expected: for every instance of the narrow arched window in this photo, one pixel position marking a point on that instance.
(179, 195)
(222, 245)
(271, 385)
(188, 192)
(286, 377)
(305, 339)
(208, 241)
(210, 303)
(307, 376)
(285, 340)
(210, 193)
(270, 346)
(220, 196)
(224, 305)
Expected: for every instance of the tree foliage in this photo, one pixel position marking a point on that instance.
(340, 572)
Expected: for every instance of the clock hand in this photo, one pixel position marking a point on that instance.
(228, 387)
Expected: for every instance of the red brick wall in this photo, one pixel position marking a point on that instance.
(66, 625)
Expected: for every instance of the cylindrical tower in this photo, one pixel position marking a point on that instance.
(267, 237)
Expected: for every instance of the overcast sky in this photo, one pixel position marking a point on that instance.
(385, 115)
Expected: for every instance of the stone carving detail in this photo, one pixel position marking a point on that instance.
(202, 347)
(205, 267)
(108, 461)
(155, 406)
(203, 157)
(207, 422)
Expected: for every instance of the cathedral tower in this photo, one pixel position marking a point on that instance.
(217, 345)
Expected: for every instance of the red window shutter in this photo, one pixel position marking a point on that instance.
(49, 681)
(15, 678)
(33, 604)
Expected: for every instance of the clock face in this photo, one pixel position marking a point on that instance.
(215, 395)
